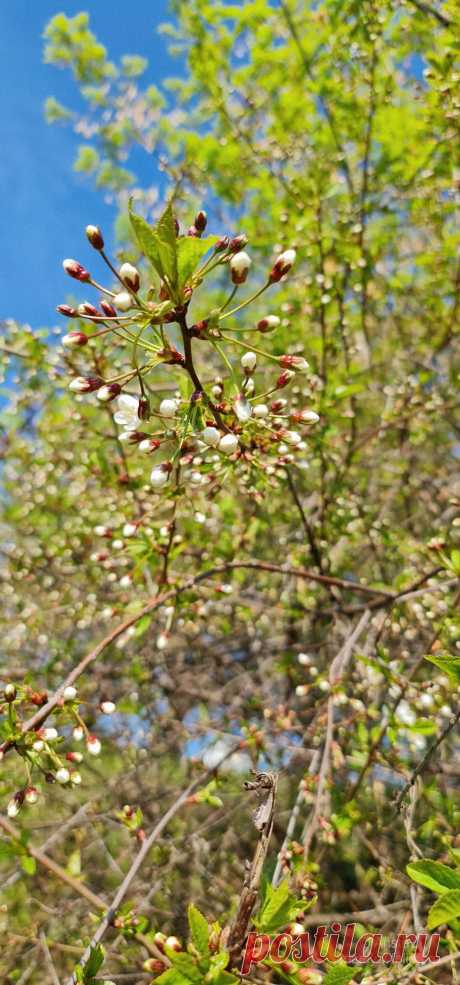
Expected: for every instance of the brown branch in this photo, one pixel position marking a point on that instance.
(432, 748)
(426, 8)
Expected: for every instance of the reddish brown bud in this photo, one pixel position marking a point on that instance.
(201, 221)
(108, 309)
(66, 310)
(88, 309)
(238, 243)
(95, 237)
(76, 270)
(222, 244)
(284, 378)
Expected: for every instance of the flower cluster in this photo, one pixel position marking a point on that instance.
(236, 416)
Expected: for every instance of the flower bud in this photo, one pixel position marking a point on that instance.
(282, 265)
(74, 339)
(78, 733)
(239, 266)
(268, 324)
(38, 745)
(74, 757)
(305, 416)
(123, 301)
(211, 436)
(159, 939)
(201, 221)
(108, 392)
(222, 244)
(95, 237)
(294, 362)
(193, 231)
(129, 529)
(132, 437)
(69, 693)
(249, 362)
(108, 707)
(168, 408)
(238, 243)
(93, 745)
(85, 384)
(49, 734)
(75, 777)
(76, 270)
(160, 475)
(108, 309)
(143, 409)
(155, 965)
(66, 310)
(173, 943)
(228, 444)
(292, 437)
(260, 410)
(148, 444)
(284, 378)
(87, 310)
(130, 276)
(14, 805)
(9, 692)
(62, 775)
(31, 795)
(278, 405)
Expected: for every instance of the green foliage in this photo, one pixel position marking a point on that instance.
(279, 908)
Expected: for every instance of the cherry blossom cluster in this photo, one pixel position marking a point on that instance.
(41, 748)
(237, 415)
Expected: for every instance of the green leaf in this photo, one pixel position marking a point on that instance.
(455, 561)
(434, 875)
(338, 974)
(218, 964)
(199, 930)
(167, 244)
(448, 664)
(185, 964)
(190, 250)
(94, 962)
(28, 865)
(146, 239)
(445, 910)
(279, 908)
(172, 977)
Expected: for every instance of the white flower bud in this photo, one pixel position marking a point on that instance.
(129, 529)
(49, 734)
(168, 408)
(292, 437)
(123, 301)
(211, 436)
(69, 693)
(162, 641)
(125, 581)
(102, 531)
(249, 361)
(158, 477)
(228, 444)
(196, 478)
(75, 778)
(62, 775)
(13, 808)
(261, 410)
(239, 266)
(31, 795)
(78, 733)
(93, 745)
(108, 707)
(38, 745)
(130, 276)
(269, 323)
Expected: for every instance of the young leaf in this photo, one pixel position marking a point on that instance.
(448, 664)
(165, 231)
(279, 908)
(172, 977)
(94, 962)
(185, 964)
(146, 240)
(338, 974)
(445, 910)
(28, 865)
(198, 929)
(434, 875)
(190, 250)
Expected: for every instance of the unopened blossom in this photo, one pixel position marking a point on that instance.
(85, 384)
(76, 270)
(159, 476)
(148, 445)
(74, 757)
(130, 276)
(260, 410)
(69, 693)
(86, 309)
(211, 436)
(108, 308)
(123, 301)
(239, 267)
(62, 775)
(13, 807)
(127, 414)
(108, 392)
(228, 444)
(249, 361)
(49, 734)
(9, 692)
(31, 795)
(74, 340)
(67, 311)
(129, 529)
(95, 237)
(168, 408)
(78, 733)
(38, 745)
(284, 378)
(162, 641)
(297, 363)
(75, 778)
(282, 265)
(268, 324)
(93, 745)
(243, 409)
(292, 437)
(107, 707)
(200, 221)
(307, 416)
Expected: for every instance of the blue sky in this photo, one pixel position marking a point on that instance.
(45, 205)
